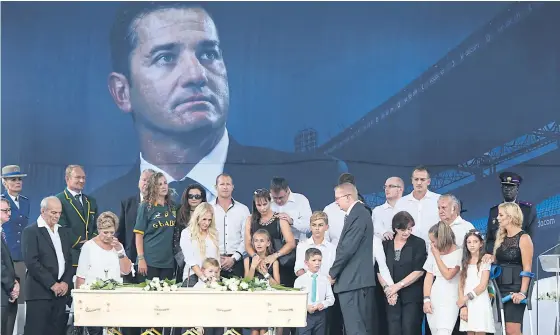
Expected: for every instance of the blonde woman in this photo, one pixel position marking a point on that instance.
(441, 293)
(513, 251)
(103, 257)
(198, 242)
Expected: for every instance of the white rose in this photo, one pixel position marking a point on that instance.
(214, 285)
(244, 286)
(155, 280)
(232, 287)
(223, 288)
(160, 288)
(146, 288)
(165, 284)
(85, 287)
(166, 289)
(173, 287)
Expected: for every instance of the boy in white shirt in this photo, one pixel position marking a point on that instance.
(319, 224)
(211, 270)
(320, 295)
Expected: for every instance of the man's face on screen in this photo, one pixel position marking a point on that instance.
(178, 77)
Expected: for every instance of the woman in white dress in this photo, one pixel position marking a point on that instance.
(474, 302)
(102, 257)
(198, 242)
(440, 296)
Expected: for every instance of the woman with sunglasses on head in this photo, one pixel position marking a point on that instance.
(262, 217)
(193, 196)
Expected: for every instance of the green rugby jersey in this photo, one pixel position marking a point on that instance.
(156, 223)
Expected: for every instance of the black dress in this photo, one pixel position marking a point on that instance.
(508, 256)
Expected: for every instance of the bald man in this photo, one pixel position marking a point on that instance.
(382, 215)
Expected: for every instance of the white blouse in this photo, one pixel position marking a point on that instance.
(97, 263)
(191, 251)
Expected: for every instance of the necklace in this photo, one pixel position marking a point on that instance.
(268, 222)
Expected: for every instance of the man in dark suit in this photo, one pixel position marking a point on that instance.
(170, 75)
(46, 252)
(79, 212)
(10, 282)
(510, 189)
(352, 272)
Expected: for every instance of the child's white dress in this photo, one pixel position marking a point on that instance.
(480, 314)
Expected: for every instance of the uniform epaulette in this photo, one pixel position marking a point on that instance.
(526, 203)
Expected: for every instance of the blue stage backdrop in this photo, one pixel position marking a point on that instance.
(300, 90)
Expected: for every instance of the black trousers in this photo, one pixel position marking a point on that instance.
(358, 311)
(46, 317)
(236, 271)
(316, 324)
(405, 319)
(334, 317)
(8, 318)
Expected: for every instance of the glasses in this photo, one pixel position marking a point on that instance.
(7, 210)
(194, 196)
(342, 196)
(390, 186)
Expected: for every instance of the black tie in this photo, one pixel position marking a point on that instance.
(179, 187)
(78, 198)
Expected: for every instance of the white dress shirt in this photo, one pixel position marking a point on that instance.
(460, 228)
(298, 208)
(324, 294)
(231, 228)
(205, 171)
(328, 251)
(336, 223)
(15, 199)
(381, 259)
(55, 238)
(191, 251)
(424, 212)
(382, 217)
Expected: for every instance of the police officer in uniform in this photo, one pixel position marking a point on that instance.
(510, 189)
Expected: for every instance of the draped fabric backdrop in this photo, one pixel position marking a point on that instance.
(468, 89)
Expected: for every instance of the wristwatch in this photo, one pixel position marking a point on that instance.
(266, 275)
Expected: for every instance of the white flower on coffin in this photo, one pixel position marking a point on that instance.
(244, 286)
(215, 285)
(165, 284)
(166, 289)
(85, 287)
(223, 288)
(147, 288)
(173, 287)
(155, 280)
(233, 287)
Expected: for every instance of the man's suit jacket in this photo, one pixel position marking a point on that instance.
(8, 274)
(80, 226)
(127, 221)
(314, 175)
(14, 227)
(42, 265)
(529, 223)
(353, 265)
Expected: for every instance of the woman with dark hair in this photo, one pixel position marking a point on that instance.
(262, 217)
(193, 196)
(405, 256)
(154, 230)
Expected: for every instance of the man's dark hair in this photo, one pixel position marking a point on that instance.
(123, 36)
(346, 178)
(422, 168)
(312, 252)
(278, 184)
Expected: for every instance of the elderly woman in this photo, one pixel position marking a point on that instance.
(198, 242)
(103, 257)
(406, 254)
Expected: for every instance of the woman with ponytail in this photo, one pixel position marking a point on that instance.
(441, 294)
(513, 251)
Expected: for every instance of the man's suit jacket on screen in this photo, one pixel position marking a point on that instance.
(127, 221)
(42, 265)
(251, 168)
(353, 265)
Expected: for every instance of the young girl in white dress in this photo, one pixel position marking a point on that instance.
(474, 302)
(440, 296)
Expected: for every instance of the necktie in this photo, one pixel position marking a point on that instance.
(178, 188)
(78, 198)
(314, 288)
